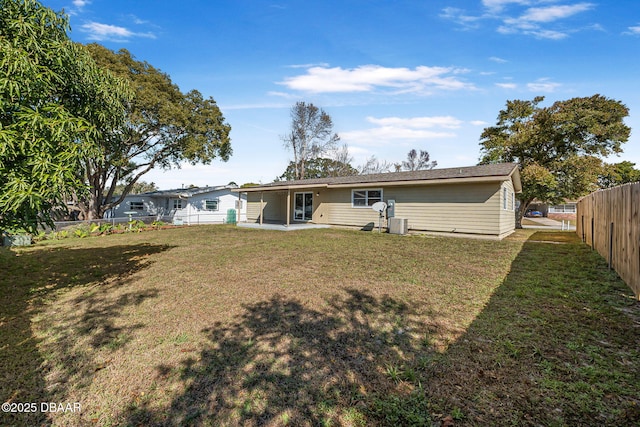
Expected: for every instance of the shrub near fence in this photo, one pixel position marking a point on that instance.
(609, 221)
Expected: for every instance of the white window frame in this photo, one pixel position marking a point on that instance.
(367, 205)
(505, 200)
(564, 208)
(177, 204)
(304, 205)
(136, 205)
(216, 201)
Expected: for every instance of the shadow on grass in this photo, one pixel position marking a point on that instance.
(284, 363)
(557, 344)
(22, 299)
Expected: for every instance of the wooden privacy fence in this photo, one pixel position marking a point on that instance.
(609, 221)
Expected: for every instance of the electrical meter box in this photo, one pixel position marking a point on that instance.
(391, 208)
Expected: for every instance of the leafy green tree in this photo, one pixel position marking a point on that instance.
(137, 188)
(559, 148)
(54, 102)
(164, 127)
(320, 168)
(311, 136)
(618, 174)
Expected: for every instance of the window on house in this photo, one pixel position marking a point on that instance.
(571, 208)
(177, 204)
(505, 195)
(211, 205)
(365, 198)
(136, 206)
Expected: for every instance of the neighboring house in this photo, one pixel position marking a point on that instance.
(567, 210)
(470, 200)
(197, 205)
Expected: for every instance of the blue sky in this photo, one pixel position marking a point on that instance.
(393, 75)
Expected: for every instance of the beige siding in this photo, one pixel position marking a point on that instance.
(470, 208)
(507, 216)
(275, 205)
(459, 208)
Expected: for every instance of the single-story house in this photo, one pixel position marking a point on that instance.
(196, 205)
(566, 210)
(477, 200)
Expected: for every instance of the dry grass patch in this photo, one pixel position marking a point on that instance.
(215, 325)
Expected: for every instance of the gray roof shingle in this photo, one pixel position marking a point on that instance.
(480, 171)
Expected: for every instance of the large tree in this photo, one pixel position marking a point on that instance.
(559, 148)
(311, 135)
(164, 128)
(54, 102)
(373, 165)
(138, 188)
(619, 173)
(418, 161)
(320, 168)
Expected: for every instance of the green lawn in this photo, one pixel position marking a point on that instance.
(215, 325)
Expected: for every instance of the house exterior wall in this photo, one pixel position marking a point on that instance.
(274, 206)
(193, 209)
(455, 208)
(150, 207)
(470, 208)
(507, 209)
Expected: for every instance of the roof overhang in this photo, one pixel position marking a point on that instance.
(514, 176)
(517, 181)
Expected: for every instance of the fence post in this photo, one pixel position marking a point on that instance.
(582, 229)
(610, 246)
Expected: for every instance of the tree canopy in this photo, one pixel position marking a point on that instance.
(618, 174)
(137, 188)
(320, 168)
(559, 148)
(418, 161)
(54, 104)
(311, 136)
(164, 127)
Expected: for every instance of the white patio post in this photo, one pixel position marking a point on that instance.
(261, 208)
(288, 206)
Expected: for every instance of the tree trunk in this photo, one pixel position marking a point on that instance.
(91, 208)
(524, 204)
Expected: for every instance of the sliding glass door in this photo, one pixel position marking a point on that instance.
(303, 207)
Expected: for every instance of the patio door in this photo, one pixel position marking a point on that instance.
(303, 207)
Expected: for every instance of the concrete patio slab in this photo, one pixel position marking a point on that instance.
(280, 227)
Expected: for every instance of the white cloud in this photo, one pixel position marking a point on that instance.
(389, 135)
(102, 32)
(507, 85)
(367, 78)
(448, 122)
(460, 17)
(553, 13)
(498, 60)
(320, 64)
(522, 17)
(479, 123)
(498, 5)
(390, 130)
(80, 3)
(543, 85)
(531, 21)
(634, 30)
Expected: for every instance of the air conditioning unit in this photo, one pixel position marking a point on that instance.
(398, 225)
